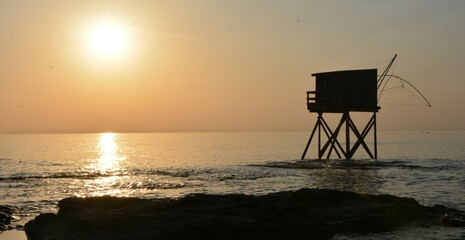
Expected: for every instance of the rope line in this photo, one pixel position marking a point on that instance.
(406, 104)
(384, 78)
(422, 99)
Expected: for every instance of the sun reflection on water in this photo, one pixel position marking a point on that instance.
(107, 169)
(110, 157)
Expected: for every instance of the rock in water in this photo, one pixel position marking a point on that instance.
(6, 215)
(302, 214)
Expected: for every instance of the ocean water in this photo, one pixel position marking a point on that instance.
(38, 170)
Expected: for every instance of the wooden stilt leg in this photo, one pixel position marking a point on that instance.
(375, 136)
(347, 121)
(361, 137)
(310, 140)
(332, 142)
(319, 135)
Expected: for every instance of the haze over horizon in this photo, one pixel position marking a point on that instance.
(144, 66)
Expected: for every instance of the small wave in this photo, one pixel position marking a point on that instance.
(149, 185)
(239, 177)
(429, 168)
(243, 176)
(343, 164)
(181, 173)
(240, 173)
(172, 173)
(84, 175)
(311, 164)
(356, 164)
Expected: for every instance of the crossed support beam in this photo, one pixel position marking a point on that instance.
(332, 143)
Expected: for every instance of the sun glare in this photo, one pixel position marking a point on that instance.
(109, 157)
(108, 39)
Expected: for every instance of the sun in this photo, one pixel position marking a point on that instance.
(108, 39)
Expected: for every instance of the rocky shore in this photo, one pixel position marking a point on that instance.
(6, 217)
(302, 214)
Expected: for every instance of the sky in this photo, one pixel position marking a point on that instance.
(217, 65)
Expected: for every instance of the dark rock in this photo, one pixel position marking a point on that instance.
(454, 219)
(6, 215)
(303, 214)
(6, 209)
(5, 218)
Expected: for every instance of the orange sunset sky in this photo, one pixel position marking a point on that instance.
(214, 65)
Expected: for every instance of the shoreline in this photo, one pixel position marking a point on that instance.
(13, 235)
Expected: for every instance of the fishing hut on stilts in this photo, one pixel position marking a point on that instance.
(345, 92)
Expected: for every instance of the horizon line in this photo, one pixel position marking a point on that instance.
(212, 131)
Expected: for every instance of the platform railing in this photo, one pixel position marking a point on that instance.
(311, 97)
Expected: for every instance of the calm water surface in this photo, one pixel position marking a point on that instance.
(38, 170)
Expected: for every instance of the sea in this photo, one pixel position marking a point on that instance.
(38, 170)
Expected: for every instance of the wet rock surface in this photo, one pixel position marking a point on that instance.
(6, 216)
(302, 214)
